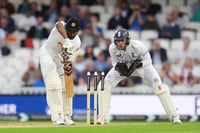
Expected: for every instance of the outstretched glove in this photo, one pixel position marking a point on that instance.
(136, 64)
(121, 68)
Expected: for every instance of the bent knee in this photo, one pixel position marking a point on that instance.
(53, 81)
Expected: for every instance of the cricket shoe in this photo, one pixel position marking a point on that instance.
(68, 120)
(99, 122)
(176, 120)
(59, 122)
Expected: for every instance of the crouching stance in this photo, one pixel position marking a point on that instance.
(131, 58)
(55, 61)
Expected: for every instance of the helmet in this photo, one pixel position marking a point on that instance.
(72, 25)
(122, 34)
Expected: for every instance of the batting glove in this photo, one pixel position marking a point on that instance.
(68, 69)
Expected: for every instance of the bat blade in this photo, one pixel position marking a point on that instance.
(69, 85)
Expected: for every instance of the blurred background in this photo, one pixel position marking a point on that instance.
(169, 28)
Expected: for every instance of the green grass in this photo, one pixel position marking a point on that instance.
(113, 127)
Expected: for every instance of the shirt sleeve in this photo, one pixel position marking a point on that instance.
(77, 43)
(112, 54)
(63, 23)
(144, 54)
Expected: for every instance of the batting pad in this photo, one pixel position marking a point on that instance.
(54, 95)
(67, 102)
(162, 91)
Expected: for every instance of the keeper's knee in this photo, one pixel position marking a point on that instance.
(161, 89)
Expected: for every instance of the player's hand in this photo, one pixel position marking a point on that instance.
(136, 64)
(65, 54)
(66, 48)
(69, 49)
(121, 68)
(68, 45)
(68, 69)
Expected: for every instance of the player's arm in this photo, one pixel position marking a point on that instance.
(146, 59)
(61, 29)
(120, 67)
(135, 65)
(143, 60)
(144, 55)
(112, 55)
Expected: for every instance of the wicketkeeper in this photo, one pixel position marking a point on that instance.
(55, 60)
(131, 58)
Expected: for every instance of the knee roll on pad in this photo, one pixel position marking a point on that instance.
(63, 84)
(52, 80)
(162, 91)
(54, 95)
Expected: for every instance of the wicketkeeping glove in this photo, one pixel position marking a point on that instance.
(136, 64)
(121, 68)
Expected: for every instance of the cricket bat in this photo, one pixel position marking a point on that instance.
(69, 84)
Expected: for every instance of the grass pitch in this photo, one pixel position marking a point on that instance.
(113, 127)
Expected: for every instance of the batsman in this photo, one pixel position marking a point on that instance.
(56, 66)
(131, 58)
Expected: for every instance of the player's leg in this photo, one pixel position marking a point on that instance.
(54, 97)
(163, 93)
(53, 87)
(111, 80)
(67, 105)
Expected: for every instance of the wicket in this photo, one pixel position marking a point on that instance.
(101, 74)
